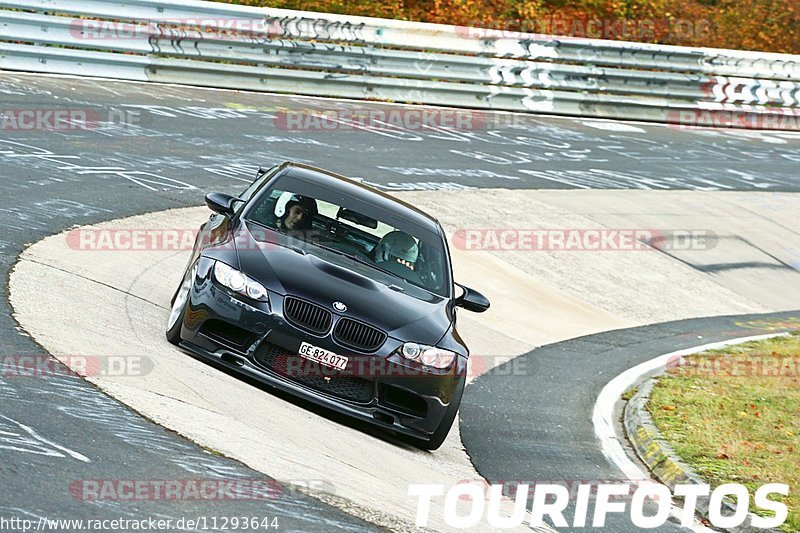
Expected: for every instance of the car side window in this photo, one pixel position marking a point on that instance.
(264, 211)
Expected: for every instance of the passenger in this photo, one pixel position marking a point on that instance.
(399, 247)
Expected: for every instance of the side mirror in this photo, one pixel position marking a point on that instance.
(472, 300)
(221, 203)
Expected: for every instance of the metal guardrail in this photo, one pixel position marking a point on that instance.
(223, 45)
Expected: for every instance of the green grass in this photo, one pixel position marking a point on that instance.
(630, 393)
(734, 416)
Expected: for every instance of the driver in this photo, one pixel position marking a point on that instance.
(298, 214)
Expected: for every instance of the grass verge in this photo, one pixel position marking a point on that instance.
(734, 415)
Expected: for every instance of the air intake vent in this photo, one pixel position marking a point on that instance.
(358, 336)
(308, 316)
(227, 334)
(329, 381)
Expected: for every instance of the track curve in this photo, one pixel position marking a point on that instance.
(287, 440)
(552, 437)
(157, 147)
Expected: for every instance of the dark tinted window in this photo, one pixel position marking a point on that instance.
(334, 221)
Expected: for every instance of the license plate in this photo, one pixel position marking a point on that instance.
(323, 357)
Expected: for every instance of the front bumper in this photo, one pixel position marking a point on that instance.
(254, 339)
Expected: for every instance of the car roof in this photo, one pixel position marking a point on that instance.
(362, 192)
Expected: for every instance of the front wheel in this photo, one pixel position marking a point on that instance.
(178, 309)
(439, 436)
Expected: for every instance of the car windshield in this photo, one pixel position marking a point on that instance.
(337, 223)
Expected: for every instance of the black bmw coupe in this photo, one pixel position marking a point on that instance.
(332, 291)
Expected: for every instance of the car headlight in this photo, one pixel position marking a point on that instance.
(427, 355)
(239, 283)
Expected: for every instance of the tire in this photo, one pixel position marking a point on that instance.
(178, 310)
(439, 436)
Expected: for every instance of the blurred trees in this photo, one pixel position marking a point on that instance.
(766, 25)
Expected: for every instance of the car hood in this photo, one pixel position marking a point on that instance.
(290, 267)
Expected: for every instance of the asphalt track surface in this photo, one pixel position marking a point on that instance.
(540, 430)
(157, 147)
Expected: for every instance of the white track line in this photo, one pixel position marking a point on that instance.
(603, 415)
